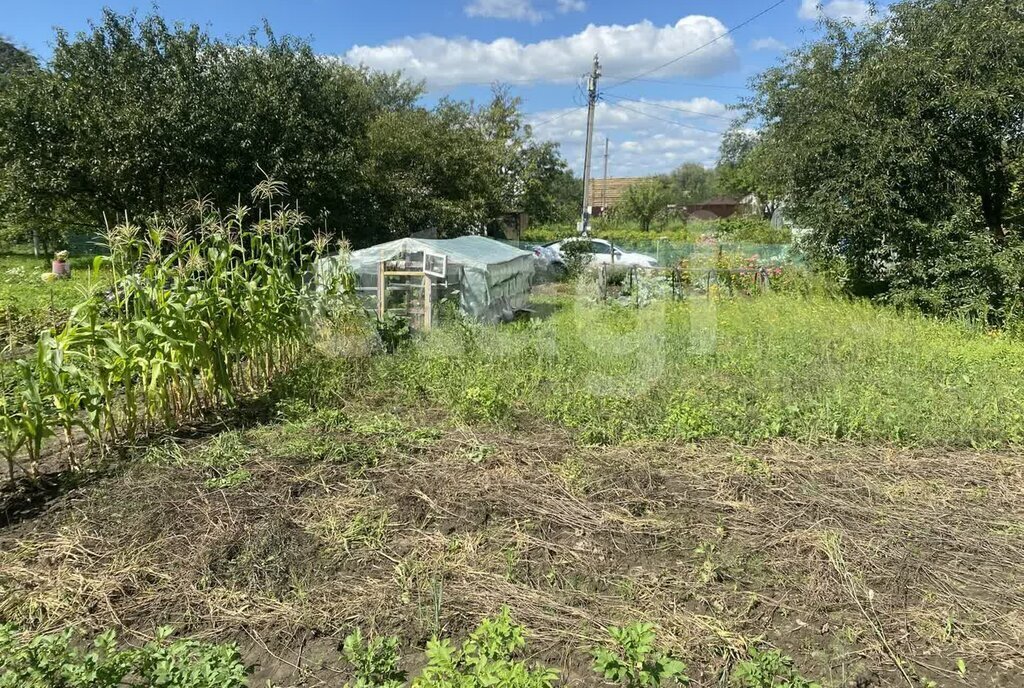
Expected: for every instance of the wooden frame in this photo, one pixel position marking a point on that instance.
(427, 285)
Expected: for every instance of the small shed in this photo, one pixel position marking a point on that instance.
(489, 280)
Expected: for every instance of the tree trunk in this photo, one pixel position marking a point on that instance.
(992, 207)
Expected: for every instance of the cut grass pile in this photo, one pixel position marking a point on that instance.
(807, 368)
(863, 563)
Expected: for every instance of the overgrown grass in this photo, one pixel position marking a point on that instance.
(804, 367)
(740, 229)
(28, 303)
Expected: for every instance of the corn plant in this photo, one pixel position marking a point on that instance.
(204, 307)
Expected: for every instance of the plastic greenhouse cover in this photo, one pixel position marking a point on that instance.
(469, 251)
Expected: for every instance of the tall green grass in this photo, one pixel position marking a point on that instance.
(805, 367)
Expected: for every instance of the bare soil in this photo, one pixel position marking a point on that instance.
(870, 566)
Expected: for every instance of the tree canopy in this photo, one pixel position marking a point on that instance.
(12, 57)
(135, 114)
(901, 144)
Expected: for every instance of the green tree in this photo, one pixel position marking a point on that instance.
(12, 57)
(553, 193)
(133, 114)
(900, 144)
(691, 183)
(742, 170)
(644, 201)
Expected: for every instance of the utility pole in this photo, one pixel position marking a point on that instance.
(595, 74)
(604, 189)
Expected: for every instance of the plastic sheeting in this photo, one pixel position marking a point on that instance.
(492, 279)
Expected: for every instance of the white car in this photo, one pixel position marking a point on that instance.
(600, 250)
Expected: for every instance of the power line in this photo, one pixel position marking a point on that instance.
(671, 107)
(556, 117)
(700, 47)
(695, 84)
(663, 119)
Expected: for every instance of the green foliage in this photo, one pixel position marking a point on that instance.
(791, 361)
(374, 661)
(743, 170)
(486, 658)
(393, 331)
(644, 201)
(576, 256)
(690, 183)
(634, 661)
(52, 660)
(900, 144)
(14, 58)
(199, 314)
(29, 303)
(553, 193)
(743, 229)
(355, 145)
(767, 669)
(618, 232)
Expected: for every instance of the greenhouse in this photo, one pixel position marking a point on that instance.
(489, 280)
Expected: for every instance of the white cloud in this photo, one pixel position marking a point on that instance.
(624, 50)
(503, 9)
(566, 6)
(639, 143)
(769, 43)
(857, 11)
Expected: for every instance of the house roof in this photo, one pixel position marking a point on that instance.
(721, 200)
(606, 193)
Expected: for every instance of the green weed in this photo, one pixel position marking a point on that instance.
(767, 669)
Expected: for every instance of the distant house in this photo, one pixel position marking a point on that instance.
(605, 193)
(715, 208)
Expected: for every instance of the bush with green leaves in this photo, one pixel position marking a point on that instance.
(56, 661)
(374, 661)
(768, 669)
(486, 658)
(576, 256)
(633, 659)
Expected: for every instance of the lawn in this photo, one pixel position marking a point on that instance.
(29, 303)
(826, 479)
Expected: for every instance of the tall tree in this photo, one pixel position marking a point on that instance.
(742, 172)
(12, 57)
(644, 201)
(900, 144)
(134, 115)
(691, 183)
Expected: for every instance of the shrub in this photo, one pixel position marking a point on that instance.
(576, 256)
(634, 661)
(746, 229)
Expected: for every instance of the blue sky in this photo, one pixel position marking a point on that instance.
(673, 115)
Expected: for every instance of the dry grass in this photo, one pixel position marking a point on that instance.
(871, 566)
